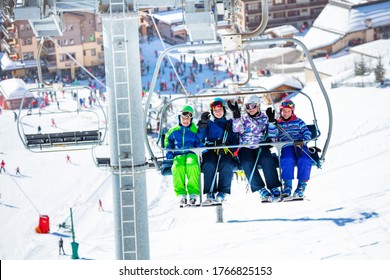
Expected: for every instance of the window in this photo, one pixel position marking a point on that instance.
(28, 55)
(91, 38)
(93, 52)
(70, 27)
(291, 1)
(71, 41)
(293, 13)
(253, 6)
(65, 57)
(21, 27)
(279, 15)
(278, 2)
(90, 23)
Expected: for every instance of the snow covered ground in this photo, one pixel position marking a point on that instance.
(346, 215)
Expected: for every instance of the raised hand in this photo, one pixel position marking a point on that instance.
(234, 108)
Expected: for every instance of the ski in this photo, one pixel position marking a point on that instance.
(282, 199)
(200, 205)
(211, 204)
(291, 198)
(189, 205)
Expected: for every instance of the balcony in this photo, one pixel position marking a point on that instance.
(51, 64)
(10, 46)
(49, 50)
(287, 7)
(9, 31)
(253, 11)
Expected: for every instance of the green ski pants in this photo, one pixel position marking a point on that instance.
(186, 168)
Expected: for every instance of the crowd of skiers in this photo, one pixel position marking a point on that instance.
(243, 140)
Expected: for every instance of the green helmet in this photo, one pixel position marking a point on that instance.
(187, 108)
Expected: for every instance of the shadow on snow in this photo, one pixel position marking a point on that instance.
(338, 221)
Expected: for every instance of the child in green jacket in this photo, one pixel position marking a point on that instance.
(185, 168)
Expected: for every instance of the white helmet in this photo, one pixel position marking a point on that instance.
(252, 99)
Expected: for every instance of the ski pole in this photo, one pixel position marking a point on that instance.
(292, 140)
(224, 138)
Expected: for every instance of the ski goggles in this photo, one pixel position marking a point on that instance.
(186, 115)
(251, 106)
(287, 104)
(216, 104)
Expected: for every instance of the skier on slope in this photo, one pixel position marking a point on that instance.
(2, 164)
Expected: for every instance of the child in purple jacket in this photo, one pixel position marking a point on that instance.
(254, 128)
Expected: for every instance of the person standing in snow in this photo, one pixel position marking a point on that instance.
(61, 246)
(2, 164)
(100, 205)
(217, 132)
(297, 153)
(18, 171)
(68, 159)
(185, 168)
(254, 128)
(53, 123)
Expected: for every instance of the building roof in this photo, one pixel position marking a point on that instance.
(374, 49)
(283, 30)
(9, 64)
(339, 18)
(169, 17)
(14, 89)
(275, 81)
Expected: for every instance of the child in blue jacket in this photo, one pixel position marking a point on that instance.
(217, 131)
(292, 127)
(185, 166)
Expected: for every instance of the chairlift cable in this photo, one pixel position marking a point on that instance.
(169, 58)
(27, 197)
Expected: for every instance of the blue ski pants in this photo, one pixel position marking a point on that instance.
(291, 157)
(223, 180)
(248, 159)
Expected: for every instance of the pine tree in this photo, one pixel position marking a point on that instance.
(379, 71)
(361, 67)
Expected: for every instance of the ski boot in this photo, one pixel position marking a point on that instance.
(275, 192)
(193, 199)
(287, 188)
(210, 199)
(300, 191)
(183, 200)
(265, 195)
(221, 197)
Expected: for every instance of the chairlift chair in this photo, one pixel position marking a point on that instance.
(90, 134)
(254, 44)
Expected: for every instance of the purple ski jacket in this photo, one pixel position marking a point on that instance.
(253, 130)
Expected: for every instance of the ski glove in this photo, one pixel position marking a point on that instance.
(299, 144)
(169, 155)
(204, 120)
(234, 108)
(271, 115)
